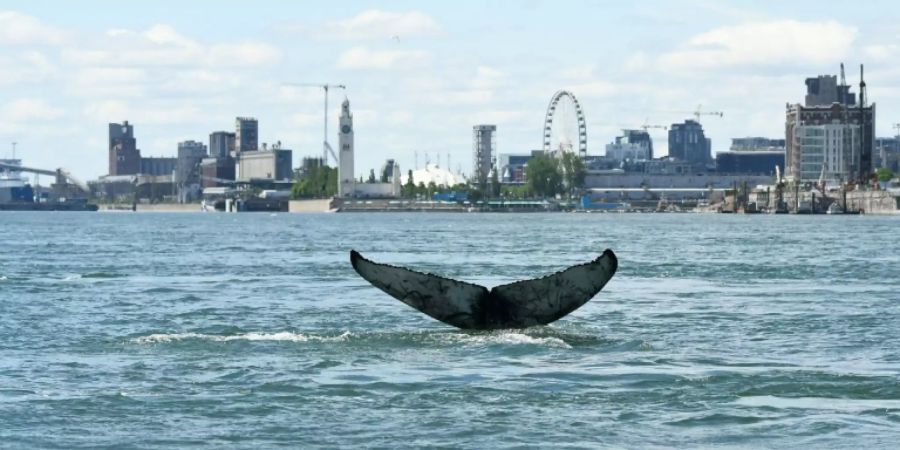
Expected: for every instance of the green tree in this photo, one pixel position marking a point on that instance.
(884, 174)
(495, 183)
(515, 192)
(319, 182)
(409, 189)
(371, 176)
(543, 175)
(475, 195)
(573, 171)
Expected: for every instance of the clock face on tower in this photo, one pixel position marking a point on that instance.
(345, 129)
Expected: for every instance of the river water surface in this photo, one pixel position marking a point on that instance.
(155, 330)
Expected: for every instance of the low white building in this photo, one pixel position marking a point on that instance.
(390, 189)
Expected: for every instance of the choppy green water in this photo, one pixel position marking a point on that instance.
(215, 330)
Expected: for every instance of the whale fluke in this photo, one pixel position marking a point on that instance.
(470, 306)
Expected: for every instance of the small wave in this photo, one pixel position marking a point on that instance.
(3, 278)
(508, 338)
(71, 277)
(822, 403)
(285, 336)
(101, 275)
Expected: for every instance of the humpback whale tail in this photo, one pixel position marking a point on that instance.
(470, 306)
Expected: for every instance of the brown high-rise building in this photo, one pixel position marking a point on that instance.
(830, 136)
(124, 157)
(221, 144)
(246, 134)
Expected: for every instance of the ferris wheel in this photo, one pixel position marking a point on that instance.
(564, 125)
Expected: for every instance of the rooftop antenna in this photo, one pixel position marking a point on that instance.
(416, 153)
(14, 149)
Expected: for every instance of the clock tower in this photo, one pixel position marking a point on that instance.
(346, 178)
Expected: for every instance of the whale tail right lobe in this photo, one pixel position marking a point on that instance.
(545, 300)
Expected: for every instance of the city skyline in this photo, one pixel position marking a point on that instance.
(419, 76)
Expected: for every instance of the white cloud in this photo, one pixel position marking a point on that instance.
(501, 117)
(107, 111)
(166, 35)
(764, 43)
(882, 52)
(637, 62)
(397, 118)
(27, 67)
(365, 58)
(191, 82)
(162, 46)
(29, 110)
(111, 75)
(243, 54)
(461, 97)
(305, 119)
(579, 72)
(596, 89)
(156, 113)
(20, 29)
(376, 24)
(114, 82)
(487, 77)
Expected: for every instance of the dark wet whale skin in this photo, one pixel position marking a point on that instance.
(469, 306)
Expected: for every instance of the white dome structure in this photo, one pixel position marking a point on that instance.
(431, 172)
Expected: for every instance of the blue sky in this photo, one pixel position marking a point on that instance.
(419, 75)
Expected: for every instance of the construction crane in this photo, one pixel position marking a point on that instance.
(326, 147)
(646, 126)
(699, 112)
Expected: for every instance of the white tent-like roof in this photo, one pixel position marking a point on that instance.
(431, 172)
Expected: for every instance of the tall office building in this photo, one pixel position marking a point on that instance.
(633, 145)
(124, 157)
(484, 148)
(688, 143)
(246, 134)
(221, 143)
(831, 135)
